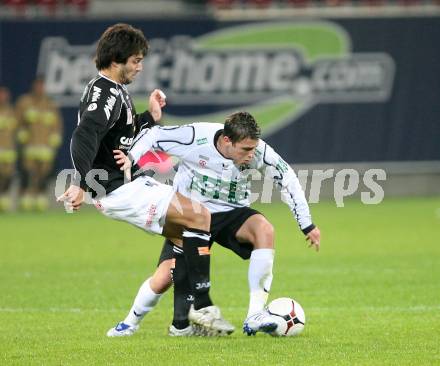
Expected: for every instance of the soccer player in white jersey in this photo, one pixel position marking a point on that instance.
(216, 163)
(107, 121)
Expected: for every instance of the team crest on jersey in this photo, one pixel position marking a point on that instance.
(202, 163)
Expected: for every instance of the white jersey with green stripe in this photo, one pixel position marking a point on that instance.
(206, 176)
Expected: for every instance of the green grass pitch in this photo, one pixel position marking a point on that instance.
(371, 296)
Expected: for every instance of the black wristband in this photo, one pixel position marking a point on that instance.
(308, 229)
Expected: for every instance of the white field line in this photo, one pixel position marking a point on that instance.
(384, 309)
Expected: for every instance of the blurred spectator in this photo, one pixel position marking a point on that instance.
(8, 155)
(40, 135)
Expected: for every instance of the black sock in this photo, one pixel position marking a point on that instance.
(197, 258)
(182, 290)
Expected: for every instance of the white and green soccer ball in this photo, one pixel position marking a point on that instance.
(289, 316)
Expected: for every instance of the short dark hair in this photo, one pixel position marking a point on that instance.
(118, 43)
(241, 125)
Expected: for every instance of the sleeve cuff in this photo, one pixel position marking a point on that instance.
(308, 229)
(146, 120)
(80, 183)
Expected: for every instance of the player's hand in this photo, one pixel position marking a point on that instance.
(156, 102)
(314, 237)
(72, 198)
(124, 162)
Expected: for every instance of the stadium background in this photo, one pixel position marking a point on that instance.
(351, 121)
(377, 277)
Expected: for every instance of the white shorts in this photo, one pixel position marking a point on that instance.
(143, 203)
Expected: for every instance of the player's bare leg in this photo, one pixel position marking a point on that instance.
(146, 299)
(189, 221)
(181, 215)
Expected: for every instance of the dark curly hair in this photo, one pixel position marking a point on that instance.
(118, 43)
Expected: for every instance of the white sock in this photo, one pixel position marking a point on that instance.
(144, 302)
(260, 278)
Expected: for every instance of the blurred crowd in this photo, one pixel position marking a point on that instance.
(312, 3)
(30, 134)
(44, 8)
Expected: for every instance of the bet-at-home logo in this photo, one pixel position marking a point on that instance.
(276, 71)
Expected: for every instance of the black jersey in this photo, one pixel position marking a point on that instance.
(107, 121)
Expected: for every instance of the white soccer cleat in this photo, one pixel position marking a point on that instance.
(259, 322)
(122, 330)
(185, 332)
(209, 322)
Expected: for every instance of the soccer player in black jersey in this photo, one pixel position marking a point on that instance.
(107, 121)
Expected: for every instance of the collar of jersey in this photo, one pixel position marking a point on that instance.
(107, 78)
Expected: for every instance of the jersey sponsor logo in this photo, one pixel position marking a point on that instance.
(202, 141)
(92, 107)
(283, 64)
(96, 94)
(109, 104)
(127, 141)
(231, 191)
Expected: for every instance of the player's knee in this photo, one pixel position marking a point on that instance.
(265, 234)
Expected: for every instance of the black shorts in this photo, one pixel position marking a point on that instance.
(224, 227)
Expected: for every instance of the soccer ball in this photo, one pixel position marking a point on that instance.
(289, 316)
